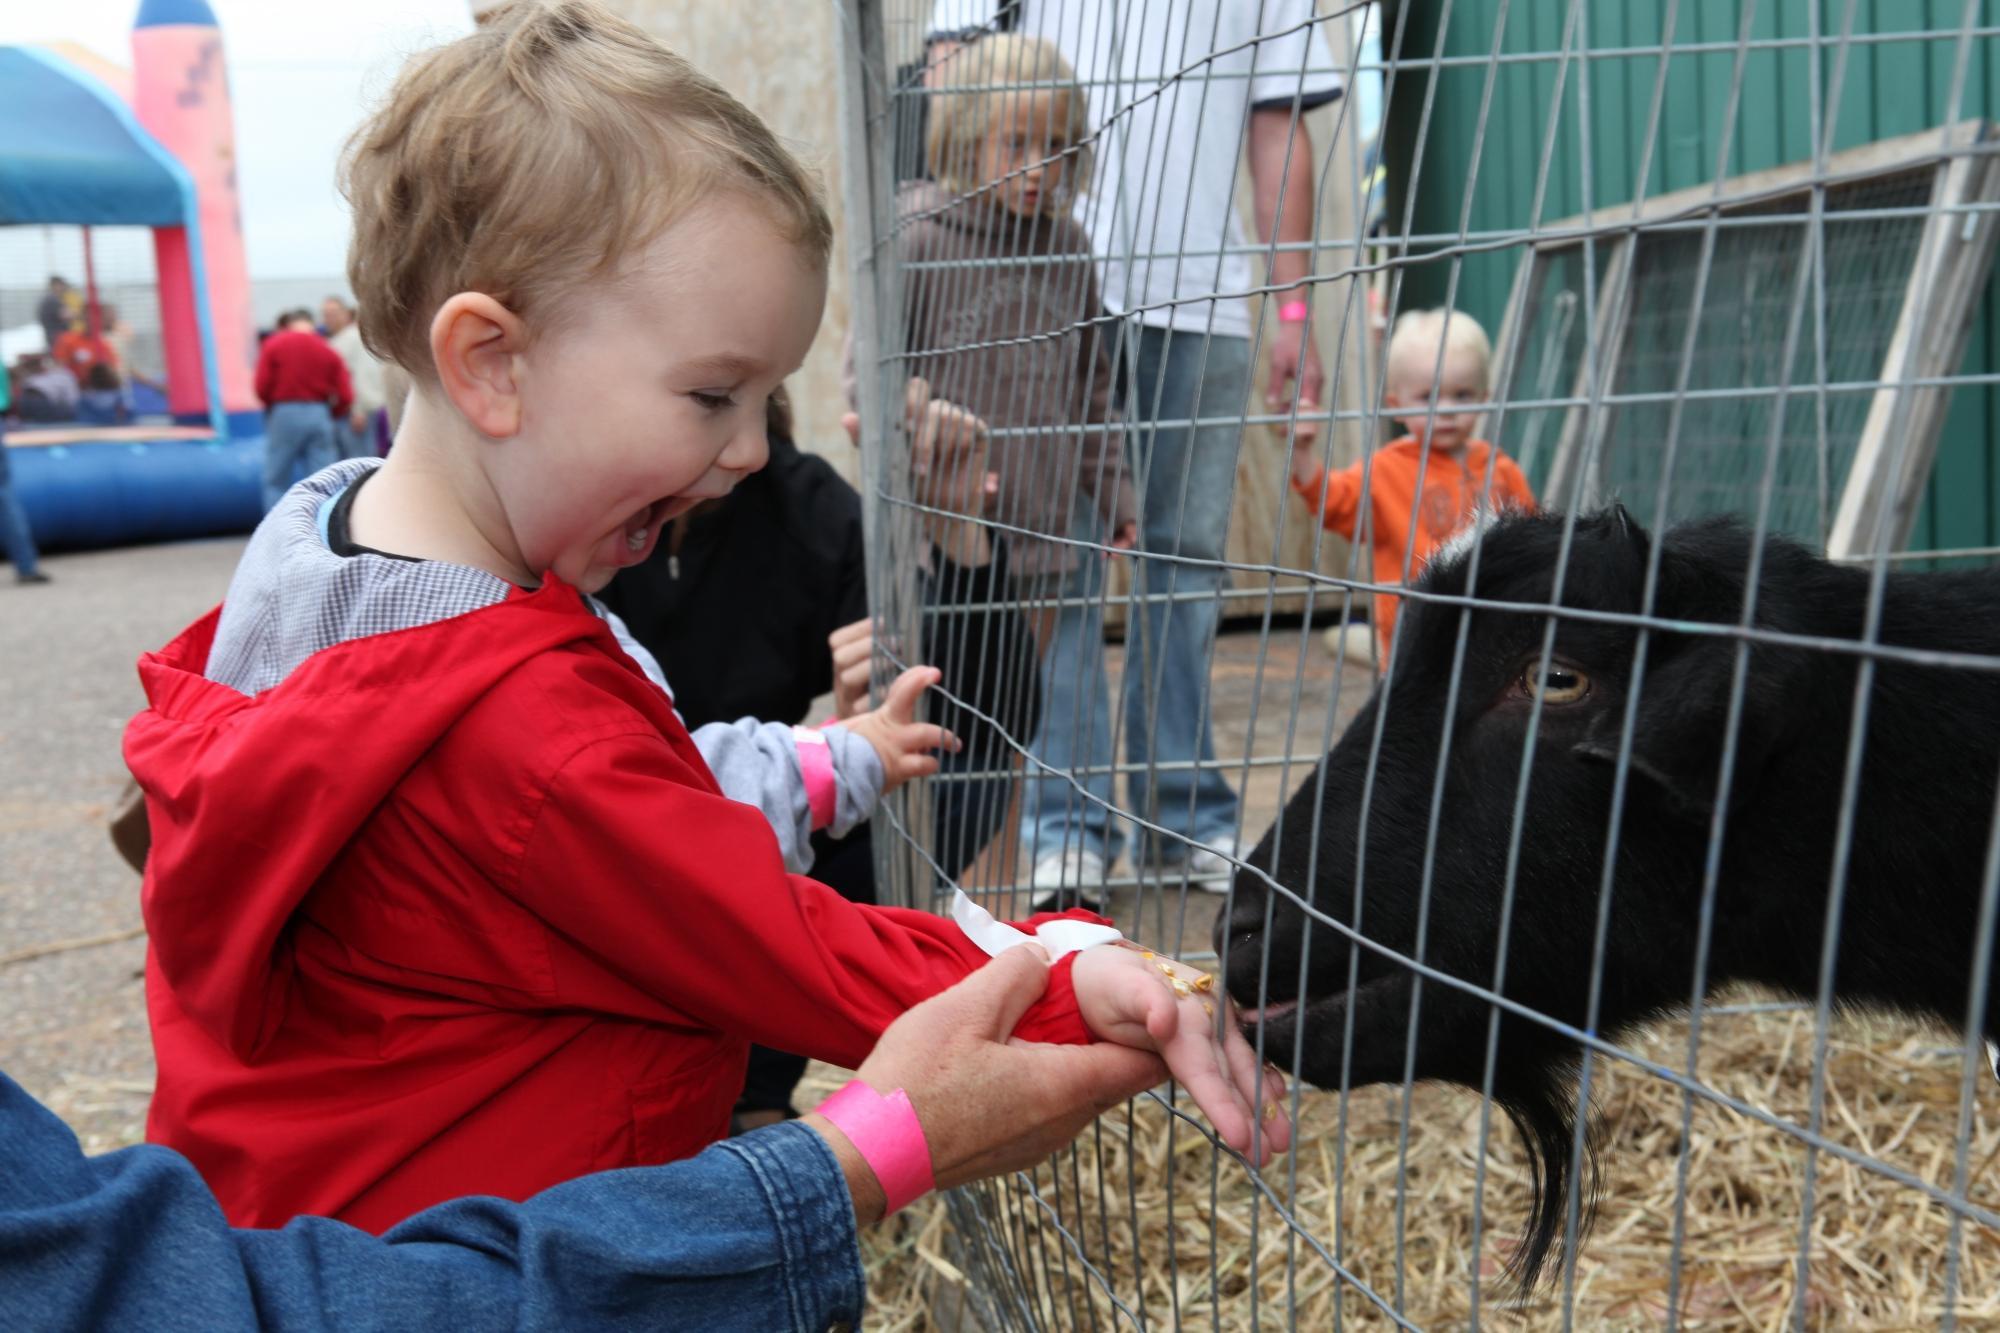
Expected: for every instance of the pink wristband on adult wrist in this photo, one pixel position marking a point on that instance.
(1293, 312)
(816, 767)
(889, 1137)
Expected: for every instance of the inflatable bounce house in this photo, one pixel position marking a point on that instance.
(88, 147)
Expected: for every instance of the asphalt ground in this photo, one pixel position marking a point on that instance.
(74, 1026)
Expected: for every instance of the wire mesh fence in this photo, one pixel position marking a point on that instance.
(1617, 873)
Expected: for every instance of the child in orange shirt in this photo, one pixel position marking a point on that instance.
(1429, 484)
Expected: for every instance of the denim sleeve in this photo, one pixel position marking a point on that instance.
(757, 763)
(756, 1233)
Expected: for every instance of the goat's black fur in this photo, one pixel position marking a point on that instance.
(1921, 827)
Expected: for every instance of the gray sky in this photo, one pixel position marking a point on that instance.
(301, 76)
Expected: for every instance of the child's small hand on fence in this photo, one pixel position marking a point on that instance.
(948, 449)
(1295, 367)
(1127, 535)
(1138, 998)
(905, 744)
(1305, 462)
(853, 653)
(1303, 429)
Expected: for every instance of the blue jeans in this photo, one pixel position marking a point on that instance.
(298, 441)
(15, 538)
(355, 443)
(1186, 480)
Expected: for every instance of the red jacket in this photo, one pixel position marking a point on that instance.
(460, 910)
(294, 366)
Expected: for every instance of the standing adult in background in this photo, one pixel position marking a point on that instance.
(1180, 94)
(55, 312)
(355, 432)
(303, 385)
(15, 538)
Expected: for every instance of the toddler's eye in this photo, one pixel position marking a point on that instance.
(714, 402)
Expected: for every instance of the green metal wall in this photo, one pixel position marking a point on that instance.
(1889, 88)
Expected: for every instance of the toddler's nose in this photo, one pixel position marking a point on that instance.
(747, 452)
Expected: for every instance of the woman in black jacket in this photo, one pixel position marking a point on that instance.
(741, 597)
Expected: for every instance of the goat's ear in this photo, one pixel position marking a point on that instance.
(1621, 518)
(1630, 547)
(1681, 727)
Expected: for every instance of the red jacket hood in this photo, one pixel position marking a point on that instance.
(251, 798)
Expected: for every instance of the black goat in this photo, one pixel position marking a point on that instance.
(1922, 822)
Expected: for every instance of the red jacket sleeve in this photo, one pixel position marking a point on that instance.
(682, 892)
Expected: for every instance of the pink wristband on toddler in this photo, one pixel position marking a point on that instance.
(889, 1137)
(1292, 312)
(816, 767)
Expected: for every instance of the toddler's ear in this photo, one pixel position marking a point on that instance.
(476, 344)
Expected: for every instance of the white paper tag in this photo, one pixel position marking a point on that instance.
(1058, 937)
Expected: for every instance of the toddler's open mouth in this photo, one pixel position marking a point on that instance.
(639, 528)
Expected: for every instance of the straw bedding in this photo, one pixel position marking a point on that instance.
(1878, 1250)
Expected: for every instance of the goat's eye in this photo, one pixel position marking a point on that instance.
(1555, 682)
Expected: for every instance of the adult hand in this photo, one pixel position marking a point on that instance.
(358, 420)
(905, 745)
(989, 1103)
(1295, 359)
(1142, 999)
(1126, 537)
(853, 650)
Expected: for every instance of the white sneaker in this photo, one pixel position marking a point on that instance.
(1072, 877)
(1356, 643)
(1208, 866)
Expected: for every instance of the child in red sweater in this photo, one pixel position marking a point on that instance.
(1415, 492)
(443, 899)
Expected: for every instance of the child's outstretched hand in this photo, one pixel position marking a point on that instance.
(1145, 1000)
(905, 744)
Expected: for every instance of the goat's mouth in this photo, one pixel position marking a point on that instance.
(1250, 1018)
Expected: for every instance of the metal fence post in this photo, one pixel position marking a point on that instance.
(867, 96)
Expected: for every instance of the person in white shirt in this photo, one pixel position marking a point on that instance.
(1180, 94)
(356, 434)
